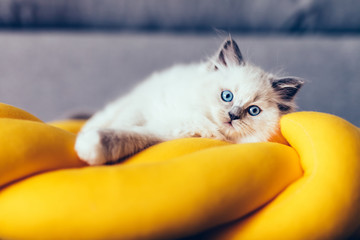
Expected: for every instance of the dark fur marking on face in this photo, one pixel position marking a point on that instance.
(283, 107)
(237, 113)
(256, 98)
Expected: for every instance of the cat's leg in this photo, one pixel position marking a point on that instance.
(201, 127)
(100, 146)
(113, 133)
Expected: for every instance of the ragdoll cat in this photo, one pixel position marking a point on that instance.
(225, 98)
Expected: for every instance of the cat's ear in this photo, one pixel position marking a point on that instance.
(228, 54)
(287, 87)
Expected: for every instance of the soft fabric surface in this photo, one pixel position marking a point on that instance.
(182, 187)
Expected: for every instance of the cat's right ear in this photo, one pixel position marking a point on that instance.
(287, 87)
(228, 54)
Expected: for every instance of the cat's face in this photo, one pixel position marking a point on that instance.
(247, 102)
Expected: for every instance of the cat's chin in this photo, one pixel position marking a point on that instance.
(230, 132)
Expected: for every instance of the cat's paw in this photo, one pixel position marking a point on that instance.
(89, 148)
(202, 130)
(204, 133)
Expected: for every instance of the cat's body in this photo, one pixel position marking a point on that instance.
(224, 99)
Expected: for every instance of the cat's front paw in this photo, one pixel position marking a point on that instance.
(202, 129)
(89, 148)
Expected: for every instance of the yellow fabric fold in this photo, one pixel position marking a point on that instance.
(183, 187)
(325, 202)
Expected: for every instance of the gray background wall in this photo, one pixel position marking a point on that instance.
(175, 15)
(60, 57)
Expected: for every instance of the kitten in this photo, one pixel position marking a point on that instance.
(225, 98)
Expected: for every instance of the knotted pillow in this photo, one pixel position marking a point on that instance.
(182, 187)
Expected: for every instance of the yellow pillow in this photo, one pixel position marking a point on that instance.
(182, 187)
(325, 202)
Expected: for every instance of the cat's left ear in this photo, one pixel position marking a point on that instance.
(228, 54)
(287, 87)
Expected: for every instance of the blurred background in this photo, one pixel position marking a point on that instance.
(59, 57)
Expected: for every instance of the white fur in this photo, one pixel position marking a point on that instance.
(185, 101)
(88, 147)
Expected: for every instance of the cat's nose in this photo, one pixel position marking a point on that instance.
(233, 116)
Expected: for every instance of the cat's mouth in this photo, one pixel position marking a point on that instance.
(229, 124)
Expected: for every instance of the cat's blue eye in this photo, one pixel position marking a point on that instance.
(227, 96)
(254, 110)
